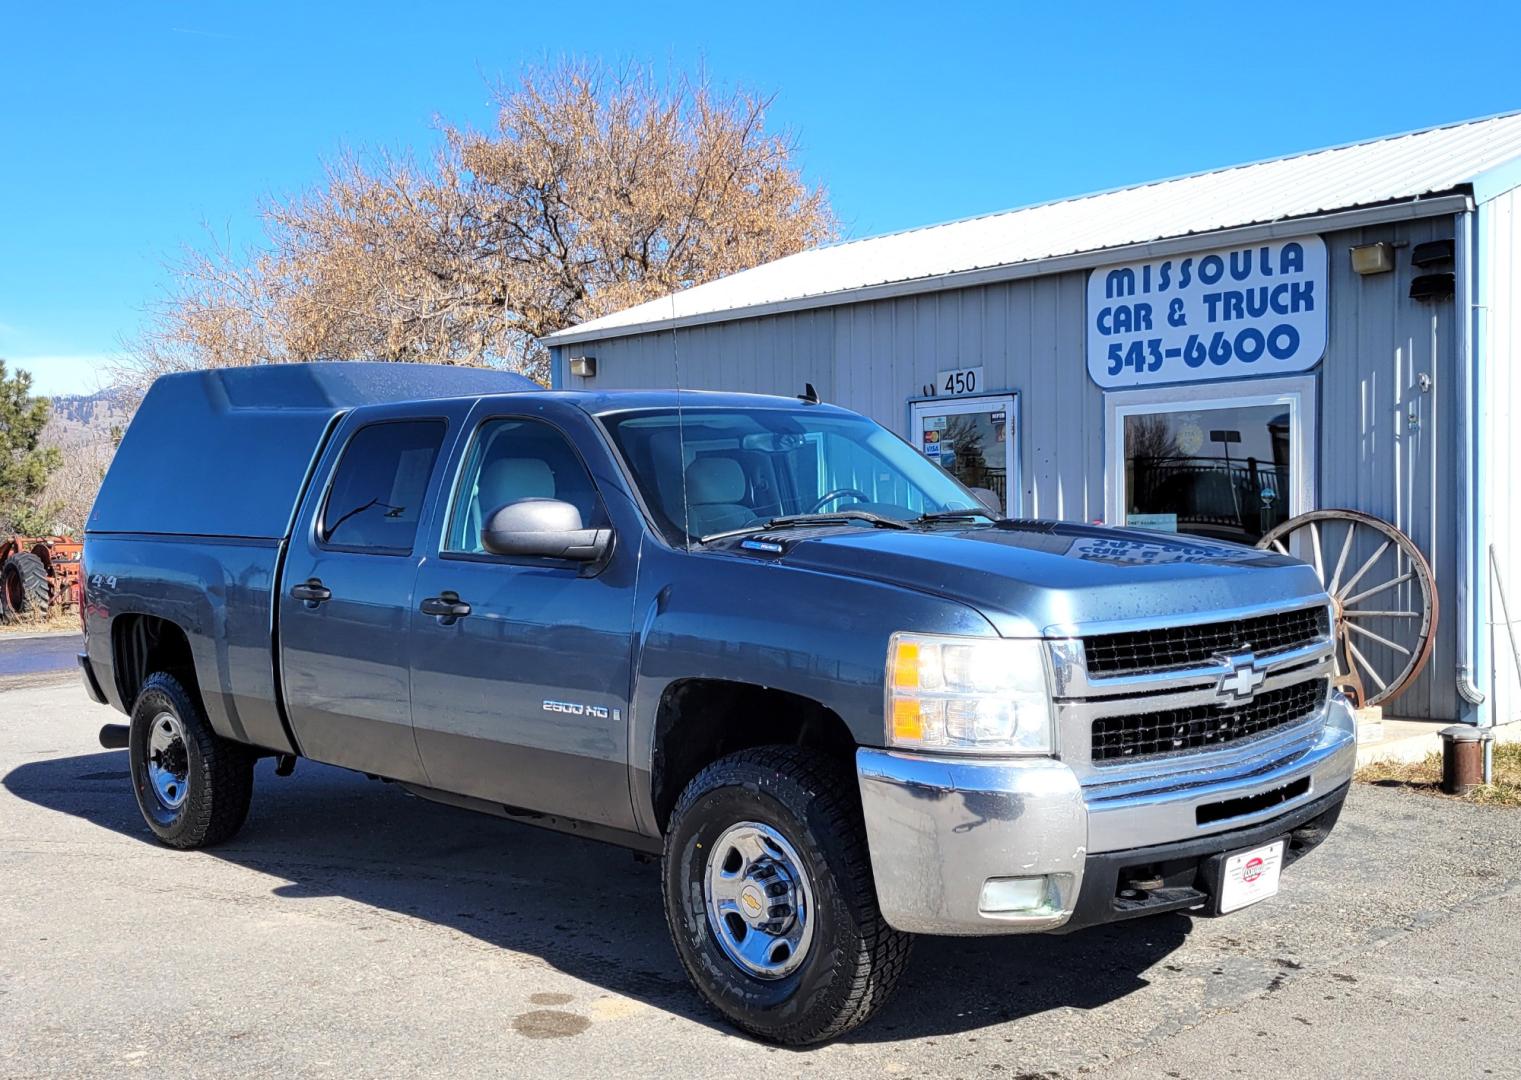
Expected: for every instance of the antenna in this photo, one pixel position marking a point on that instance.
(681, 433)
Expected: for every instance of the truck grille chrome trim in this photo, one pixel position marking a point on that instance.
(1180, 647)
(1163, 732)
(1229, 706)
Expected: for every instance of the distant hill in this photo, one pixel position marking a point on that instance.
(82, 426)
(79, 418)
(85, 408)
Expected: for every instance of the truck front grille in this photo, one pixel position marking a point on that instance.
(1119, 739)
(1193, 646)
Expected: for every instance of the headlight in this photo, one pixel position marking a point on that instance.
(984, 695)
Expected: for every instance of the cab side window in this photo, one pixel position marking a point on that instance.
(512, 460)
(375, 502)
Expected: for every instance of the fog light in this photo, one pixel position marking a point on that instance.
(1008, 895)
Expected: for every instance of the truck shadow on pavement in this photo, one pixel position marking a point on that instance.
(588, 909)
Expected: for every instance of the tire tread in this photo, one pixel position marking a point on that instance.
(873, 972)
(35, 588)
(221, 794)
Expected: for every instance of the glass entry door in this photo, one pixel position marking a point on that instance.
(975, 439)
(1229, 465)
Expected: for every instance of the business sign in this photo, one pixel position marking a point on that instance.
(1226, 314)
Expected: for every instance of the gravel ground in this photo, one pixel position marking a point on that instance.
(351, 930)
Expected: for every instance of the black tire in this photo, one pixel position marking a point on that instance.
(854, 960)
(24, 586)
(218, 773)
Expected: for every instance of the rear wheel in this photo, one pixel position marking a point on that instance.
(24, 586)
(193, 786)
(770, 899)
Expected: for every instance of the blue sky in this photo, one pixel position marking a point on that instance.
(127, 129)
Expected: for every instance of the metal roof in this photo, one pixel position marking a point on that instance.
(1396, 169)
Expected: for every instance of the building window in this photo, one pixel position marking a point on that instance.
(1228, 463)
(976, 440)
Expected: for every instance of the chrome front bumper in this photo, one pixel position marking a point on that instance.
(939, 827)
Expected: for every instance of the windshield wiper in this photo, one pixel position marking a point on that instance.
(957, 515)
(833, 517)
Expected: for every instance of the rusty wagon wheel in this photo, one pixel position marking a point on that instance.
(1384, 600)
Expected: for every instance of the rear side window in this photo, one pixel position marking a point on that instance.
(376, 498)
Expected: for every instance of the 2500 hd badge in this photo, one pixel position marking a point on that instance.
(762, 639)
(570, 708)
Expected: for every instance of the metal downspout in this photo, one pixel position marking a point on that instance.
(1471, 510)
(556, 368)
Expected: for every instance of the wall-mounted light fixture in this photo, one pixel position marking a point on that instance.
(1432, 253)
(584, 367)
(1433, 287)
(1373, 258)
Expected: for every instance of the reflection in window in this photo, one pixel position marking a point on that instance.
(712, 470)
(518, 459)
(1221, 473)
(971, 447)
(376, 498)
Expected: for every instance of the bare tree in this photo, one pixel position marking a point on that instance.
(1149, 437)
(596, 190)
(72, 487)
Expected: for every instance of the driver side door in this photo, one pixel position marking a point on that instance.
(523, 699)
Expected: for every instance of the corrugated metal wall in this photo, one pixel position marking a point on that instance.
(1029, 337)
(1371, 457)
(1499, 275)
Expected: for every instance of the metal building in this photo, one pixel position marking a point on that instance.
(1209, 354)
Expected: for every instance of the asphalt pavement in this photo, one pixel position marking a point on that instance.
(352, 931)
(35, 654)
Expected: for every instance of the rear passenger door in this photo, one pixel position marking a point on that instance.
(523, 699)
(346, 594)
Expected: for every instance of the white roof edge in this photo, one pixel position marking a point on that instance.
(1403, 210)
(1196, 174)
(1478, 157)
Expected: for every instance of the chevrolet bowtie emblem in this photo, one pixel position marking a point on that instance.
(1244, 678)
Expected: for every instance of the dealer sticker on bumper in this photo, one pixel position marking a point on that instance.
(1250, 876)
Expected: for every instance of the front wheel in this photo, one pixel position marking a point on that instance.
(192, 785)
(770, 898)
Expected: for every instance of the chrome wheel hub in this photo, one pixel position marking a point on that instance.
(759, 900)
(168, 761)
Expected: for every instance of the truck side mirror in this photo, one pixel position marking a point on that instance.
(543, 528)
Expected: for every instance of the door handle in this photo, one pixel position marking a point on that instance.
(311, 591)
(447, 606)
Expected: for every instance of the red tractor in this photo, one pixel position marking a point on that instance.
(38, 573)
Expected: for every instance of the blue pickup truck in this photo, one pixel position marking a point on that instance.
(842, 699)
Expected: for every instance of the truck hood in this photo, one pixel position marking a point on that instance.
(1041, 577)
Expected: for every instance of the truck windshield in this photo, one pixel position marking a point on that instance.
(726, 469)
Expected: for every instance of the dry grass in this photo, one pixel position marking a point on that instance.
(36, 624)
(1426, 776)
